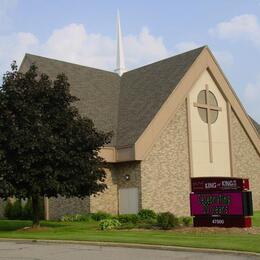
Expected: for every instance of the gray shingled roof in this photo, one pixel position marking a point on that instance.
(144, 90)
(257, 126)
(124, 105)
(98, 90)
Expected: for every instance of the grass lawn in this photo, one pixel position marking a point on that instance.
(256, 219)
(89, 231)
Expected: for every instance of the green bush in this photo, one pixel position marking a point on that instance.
(186, 221)
(66, 218)
(147, 224)
(127, 218)
(128, 225)
(16, 210)
(147, 214)
(76, 218)
(167, 220)
(108, 224)
(100, 215)
(7, 209)
(13, 210)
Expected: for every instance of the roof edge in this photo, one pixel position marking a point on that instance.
(28, 55)
(165, 59)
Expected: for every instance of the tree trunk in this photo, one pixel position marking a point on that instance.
(36, 210)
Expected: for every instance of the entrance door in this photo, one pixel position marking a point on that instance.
(128, 201)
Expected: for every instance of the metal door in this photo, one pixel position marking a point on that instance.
(128, 200)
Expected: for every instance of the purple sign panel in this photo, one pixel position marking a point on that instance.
(201, 184)
(225, 203)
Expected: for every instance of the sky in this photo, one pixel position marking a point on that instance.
(84, 32)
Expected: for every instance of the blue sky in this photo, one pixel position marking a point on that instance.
(84, 32)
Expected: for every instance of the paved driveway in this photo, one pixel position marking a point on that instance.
(48, 251)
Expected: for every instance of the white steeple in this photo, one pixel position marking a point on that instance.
(120, 59)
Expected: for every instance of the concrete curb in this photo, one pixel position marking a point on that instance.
(132, 245)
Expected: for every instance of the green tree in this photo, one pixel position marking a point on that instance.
(46, 147)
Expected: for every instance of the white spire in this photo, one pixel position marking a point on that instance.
(120, 59)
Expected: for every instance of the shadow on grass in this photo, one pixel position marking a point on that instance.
(13, 225)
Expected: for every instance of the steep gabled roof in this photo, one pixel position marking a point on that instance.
(98, 90)
(144, 90)
(137, 105)
(123, 105)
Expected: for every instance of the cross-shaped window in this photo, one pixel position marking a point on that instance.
(208, 110)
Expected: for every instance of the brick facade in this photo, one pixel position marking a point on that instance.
(108, 200)
(165, 171)
(61, 206)
(246, 159)
(162, 178)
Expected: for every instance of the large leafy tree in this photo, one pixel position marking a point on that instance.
(46, 147)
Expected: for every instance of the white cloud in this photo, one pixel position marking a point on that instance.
(144, 48)
(14, 46)
(245, 27)
(74, 44)
(252, 97)
(186, 46)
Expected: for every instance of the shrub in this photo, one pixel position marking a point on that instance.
(127, 218)
(147, 224)
(108, 224)
(75, 218)
(128, 225)
(15, 210)
(8, 209)
(65, 218)
(186, 221)
(85, 217)
(147, 214)
(167, 220)
(100, 215)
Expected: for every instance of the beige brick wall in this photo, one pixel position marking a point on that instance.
(61, 206)
(106, 201)
(246, 159)
(165, 171)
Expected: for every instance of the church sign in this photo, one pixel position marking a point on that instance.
(202, 184)
(221, 202)
(222, 221)
(233, 203)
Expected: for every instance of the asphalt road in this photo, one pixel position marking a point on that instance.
(48, 251)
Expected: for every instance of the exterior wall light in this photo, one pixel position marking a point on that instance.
(127, 177)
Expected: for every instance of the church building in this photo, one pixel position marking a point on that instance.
(172, 120)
